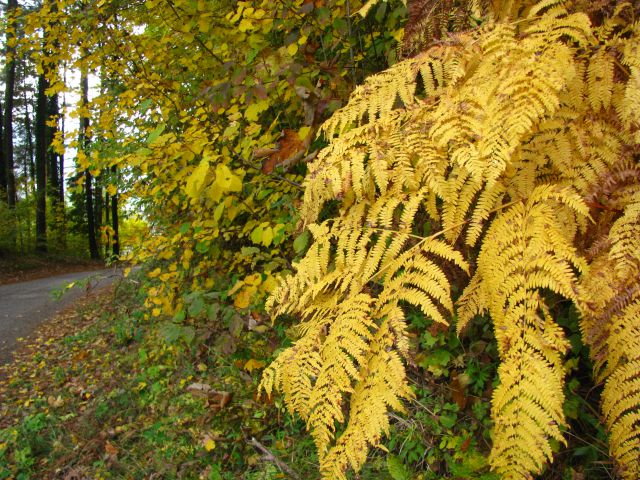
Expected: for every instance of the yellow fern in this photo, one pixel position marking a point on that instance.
(519, 141)
(526, 251)
(610, 307)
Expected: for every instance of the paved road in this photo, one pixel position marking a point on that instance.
(24, 305)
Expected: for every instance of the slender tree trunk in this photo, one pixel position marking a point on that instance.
(30, 168)
(91, 226)
(3, 162)
(107, 220)
(41, 165)
(52, 156)
(64, 106)
(114, 219)
(9, 87)
(97, 207)
(107, 209)
(53, 176)
(83, 143)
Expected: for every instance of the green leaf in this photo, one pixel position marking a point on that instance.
(196, 307)
(202, 247)
(448, 420)
(301, 242)
(256, 235)
(396, 468)
(171, 332)
(252, 55)
(153, 136)
(144, 106)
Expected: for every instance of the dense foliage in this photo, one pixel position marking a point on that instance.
(482, 179)
(517, 144)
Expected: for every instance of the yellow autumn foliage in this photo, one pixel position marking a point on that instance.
(519, 141)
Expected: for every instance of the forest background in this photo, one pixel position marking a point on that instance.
(227, 148)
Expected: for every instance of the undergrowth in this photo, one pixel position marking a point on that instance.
(107, 391)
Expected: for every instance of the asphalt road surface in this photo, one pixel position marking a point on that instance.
(25, 305)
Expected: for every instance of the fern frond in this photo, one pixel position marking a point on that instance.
(381, 389)
(523, 253)
(610, 325)
(523, 136)
(472, 302)
(625, 238)
(621, 395)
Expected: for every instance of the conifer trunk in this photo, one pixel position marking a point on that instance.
(30, 168)
(3, 164)
(83, 143)
(53, 173)
(7, 138)
(41, 165)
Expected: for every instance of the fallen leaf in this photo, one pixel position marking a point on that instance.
(208, 443)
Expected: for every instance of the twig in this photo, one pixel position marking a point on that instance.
(270, 457)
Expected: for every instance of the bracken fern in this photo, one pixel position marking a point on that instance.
(519, 140)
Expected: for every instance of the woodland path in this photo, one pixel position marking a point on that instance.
(25, 305)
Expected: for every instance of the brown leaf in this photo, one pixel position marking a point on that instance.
(110, 449)
(458, 391)
(289, 146)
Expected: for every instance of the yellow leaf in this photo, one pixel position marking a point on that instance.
(303, 132)
(208, 443)
(292, 49)
(269, 284)
(255, 109)
(227, 180)
(267, 236)
(245, 24)
(256, 235)
(217, 213)
(195, 182)
(255, 279)
(243, 299)
(236, 287)
(111, 190)
(253, 364)
(204, 24)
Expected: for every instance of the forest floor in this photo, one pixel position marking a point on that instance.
(107, 391)
(21, 268)
(104, 391)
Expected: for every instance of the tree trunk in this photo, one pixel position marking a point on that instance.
(97, 207)
(52, 156)
(41, 165)
(30, 168)
(83, 144)
(107, 220)
(114, 218)
(91, 225)
(3, 162)
(9, 86)
(64, 106)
